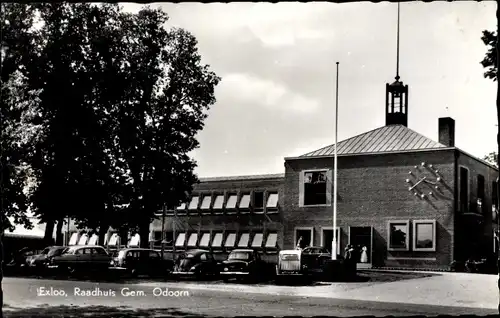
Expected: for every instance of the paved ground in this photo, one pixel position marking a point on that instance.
(447, 293)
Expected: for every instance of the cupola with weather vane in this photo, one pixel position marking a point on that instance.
(396, 96)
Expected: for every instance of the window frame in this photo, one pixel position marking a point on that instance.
(302, 190)
(204, 234)
(235, 240)
(231, 210)
(302, 228)
(407, 240)
(467, 204)
(255, 209)
(196, 234)
(181, 209)
(245, 209)
(197, 204)
(339, 233)
(272, 209)
(220, 247)
(481, 196)
(253, 239)
(221, 209)
(184, 242)
(209, 209)
(415, 224)
(267, 238)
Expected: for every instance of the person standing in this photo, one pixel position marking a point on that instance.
(364, 255)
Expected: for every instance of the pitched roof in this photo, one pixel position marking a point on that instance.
(392, 138)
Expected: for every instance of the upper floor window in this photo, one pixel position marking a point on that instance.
(258, 201)
(315, 188)
(464, 189)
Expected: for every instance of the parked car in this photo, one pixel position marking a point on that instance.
(244, 264)
(196, 263)
(81, 258)
(40, 261)
(142, 261)
(309, 262)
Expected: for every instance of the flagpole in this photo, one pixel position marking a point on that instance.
(334, 192)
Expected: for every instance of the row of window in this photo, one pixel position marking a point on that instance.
(258, 201)
(423, 234)
(112, 240)
(219, 240)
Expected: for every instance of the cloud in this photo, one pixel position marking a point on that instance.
(244, 88)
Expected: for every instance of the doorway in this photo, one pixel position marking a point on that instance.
(362, 237)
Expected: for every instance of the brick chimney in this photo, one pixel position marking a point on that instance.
(447, 131)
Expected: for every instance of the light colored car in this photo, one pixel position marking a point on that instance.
(307, 262)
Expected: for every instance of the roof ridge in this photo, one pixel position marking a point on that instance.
(390, 138)
(344, 140)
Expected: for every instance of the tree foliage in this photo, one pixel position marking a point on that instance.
(115, 102)
(490, 59)
(492, 158)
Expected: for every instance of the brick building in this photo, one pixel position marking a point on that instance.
(409, 200)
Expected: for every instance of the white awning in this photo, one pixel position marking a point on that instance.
(74, 239)
(113, 241)
(94, 239)
(83, 239)
(135, 240)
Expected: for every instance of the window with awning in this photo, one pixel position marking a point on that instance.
(245, 202)
(272, 201)
(205, 240)
(244, 240)
(193, 239)
(217, 241)
(231, 201)
(193, 205)
(83, 239)
(94, 239)
(272, 240)
(257, 240)
(74, 239)
(219, 202)
(135, 240)
(230, 240)
(205, 204)
(113, 241)
(181, 238)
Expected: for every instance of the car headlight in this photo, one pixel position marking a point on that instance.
(304, 266)
(192, 269)
(226, 269)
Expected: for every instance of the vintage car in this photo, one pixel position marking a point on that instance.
(81, 258)
(141, 261)
(307, 262)
(244, 264)
(196, 263)
(40, 261)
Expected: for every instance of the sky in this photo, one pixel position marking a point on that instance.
(276, 98)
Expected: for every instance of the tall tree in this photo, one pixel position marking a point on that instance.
(490, 62)
(167, 93)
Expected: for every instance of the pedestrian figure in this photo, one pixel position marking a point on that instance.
(300, 244)
(364, 255)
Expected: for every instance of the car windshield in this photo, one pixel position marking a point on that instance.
(290, 257)
(45, 251)
(70, 250)
(239, 255)
(55, 252)
(189, 256)
(121, 254)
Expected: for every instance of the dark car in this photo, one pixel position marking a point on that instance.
(40, 261)
(141, 261)
(81, 258)
(196, 263)
(244, 264)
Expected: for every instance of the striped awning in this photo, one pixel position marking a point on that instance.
(94, 239)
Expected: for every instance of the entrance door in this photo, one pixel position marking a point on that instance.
(362, 238)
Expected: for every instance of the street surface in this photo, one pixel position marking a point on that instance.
(215, 299)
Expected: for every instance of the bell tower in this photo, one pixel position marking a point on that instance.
(396, 96)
